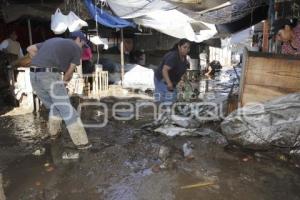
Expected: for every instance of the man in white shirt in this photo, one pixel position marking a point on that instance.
(11, 45)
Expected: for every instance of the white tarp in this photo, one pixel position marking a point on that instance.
(139, 78)
(175, 24)
(206, 34)
(171, 22)
(163, 17)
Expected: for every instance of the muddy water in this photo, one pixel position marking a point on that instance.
(120, 166)
(123, 164)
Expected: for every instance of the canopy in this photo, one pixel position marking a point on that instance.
(163, 17)
(136, 8)
(104, 18)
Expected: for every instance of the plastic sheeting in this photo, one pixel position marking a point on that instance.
(175, 24)
(163, 17)
(139, 78)
(275, 123)
(171, 22)
(96, 40)
(104, 18)
(136, 8)
(173, 125)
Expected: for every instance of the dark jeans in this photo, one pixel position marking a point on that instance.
(87, 67)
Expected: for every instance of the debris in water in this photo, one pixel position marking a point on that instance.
(202, 184)
(155, 168)
(37, 183)
(49, 169)
(295, 152)
(163, 153)
(70, 155)
(188, 150)
(282, 158)
(39, 152)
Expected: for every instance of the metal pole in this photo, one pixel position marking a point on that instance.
(29, 31)
(122, 57)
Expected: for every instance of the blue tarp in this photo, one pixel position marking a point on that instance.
(105, 18)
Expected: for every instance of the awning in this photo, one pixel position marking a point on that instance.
(132, 8)
(104, 18)
(163, 17)
(252, 18)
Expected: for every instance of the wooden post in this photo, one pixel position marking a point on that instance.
(265, 45)
(94, 83)
(122, 57)
(29, 31)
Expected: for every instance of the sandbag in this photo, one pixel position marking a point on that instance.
(275, 123)
(59, 22)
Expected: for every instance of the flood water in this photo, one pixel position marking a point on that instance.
(122, 165)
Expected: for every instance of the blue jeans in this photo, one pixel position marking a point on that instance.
(51, 90)
(162, 94)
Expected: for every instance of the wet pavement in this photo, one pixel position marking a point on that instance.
(124, 163)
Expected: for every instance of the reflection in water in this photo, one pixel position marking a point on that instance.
(28, 129)
(216, 89)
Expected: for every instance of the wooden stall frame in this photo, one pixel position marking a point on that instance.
(246, 55)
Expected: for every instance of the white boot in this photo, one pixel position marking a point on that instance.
(78, 135)
(54, 126)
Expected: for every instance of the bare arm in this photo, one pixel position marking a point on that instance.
(69, 73)
(165, 73)
(32, 50)
(209, 71)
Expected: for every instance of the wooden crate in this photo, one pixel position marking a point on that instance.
(100, 82)
(266, 76)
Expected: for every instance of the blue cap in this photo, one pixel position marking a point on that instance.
(81, 36)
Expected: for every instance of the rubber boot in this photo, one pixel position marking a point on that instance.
(54, 126)
(78, 135)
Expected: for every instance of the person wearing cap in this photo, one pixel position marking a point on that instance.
(287, 31)
(49, 59)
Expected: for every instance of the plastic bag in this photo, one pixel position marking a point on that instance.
(59, 22)
(74, 22)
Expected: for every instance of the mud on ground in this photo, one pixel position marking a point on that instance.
(124, 164)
